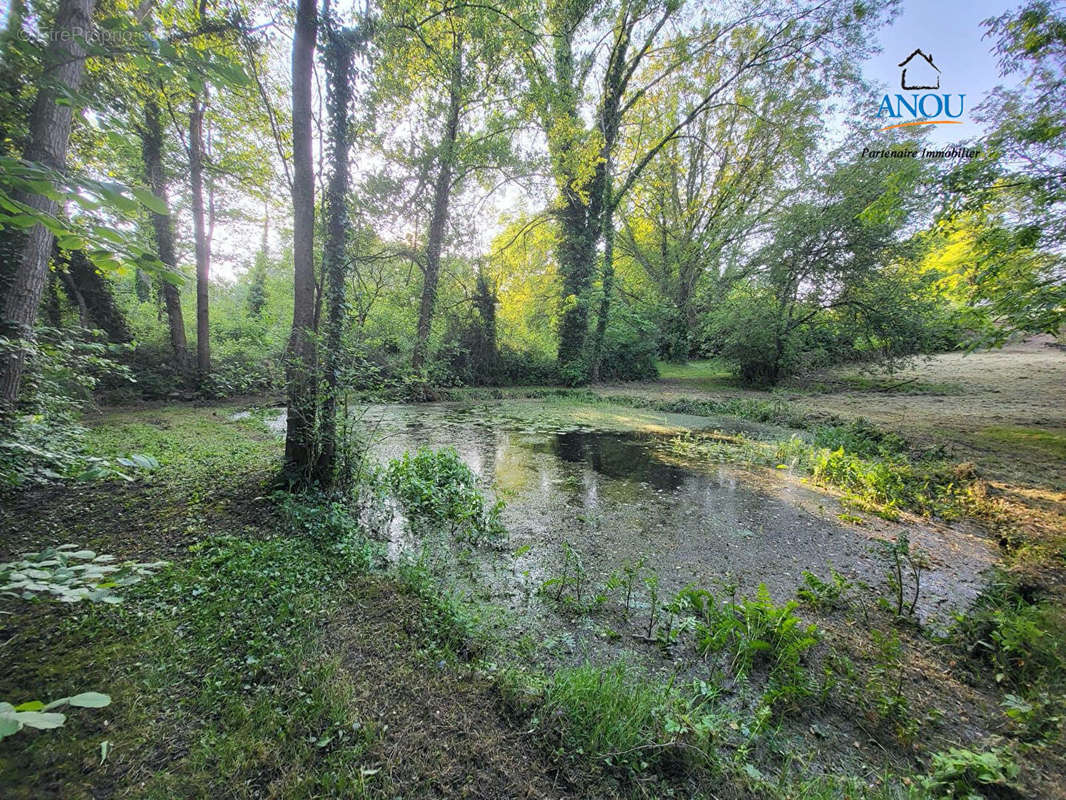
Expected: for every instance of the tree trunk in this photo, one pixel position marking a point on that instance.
(338, 98)
(486, 354)
(441, 196)
(300, 421)
(576, 256)
(607, 277)
(152, 152)
(50, 124)
(203, 253)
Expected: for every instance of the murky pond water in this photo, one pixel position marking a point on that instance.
(601, 480)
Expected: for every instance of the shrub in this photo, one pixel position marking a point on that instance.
(43, 440)
(745, 332)
(629, 348)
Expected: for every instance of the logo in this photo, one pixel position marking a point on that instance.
(921, 69)
(920, 74)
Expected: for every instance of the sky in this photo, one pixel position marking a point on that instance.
(951, 32)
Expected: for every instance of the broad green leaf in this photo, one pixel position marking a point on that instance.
(149, 200)
(8, 723)
(90, 700)
(40, 719)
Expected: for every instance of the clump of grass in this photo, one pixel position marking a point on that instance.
(613, 715)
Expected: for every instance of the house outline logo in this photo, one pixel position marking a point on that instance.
(925, 71)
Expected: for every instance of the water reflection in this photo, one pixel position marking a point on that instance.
(620, 497)
(614, 497)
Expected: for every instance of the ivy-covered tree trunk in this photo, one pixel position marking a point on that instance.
(586, 195)
(338, 61)
(441, 196)
(163, 231)
(486, 351)
(607, 279)
(300, 420)
(50, 123)
(576, 257)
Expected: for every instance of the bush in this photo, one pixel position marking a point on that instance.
(629, 348)
(744, 331)
(44, 439)
(525, 368)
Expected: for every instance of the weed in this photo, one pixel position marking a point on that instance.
(1023, 640)
(963, 773)
(904, 566)
(883, 693)
(438, 489)
(757, 632)
(823, 595)
(571, 581)
(1037, 718)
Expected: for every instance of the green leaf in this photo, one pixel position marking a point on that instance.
(90, 700)
(149, 200)
(32, 705)
(40, 720)
(8, 723)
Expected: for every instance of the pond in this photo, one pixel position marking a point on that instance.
(602, 482)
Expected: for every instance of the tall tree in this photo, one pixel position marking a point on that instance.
(630, 45)
(49, 135)
(300, 418)
(337, 55)
(442, 80)
(687, 221)
(201, 244)
(151, 132)
(442, 188)
(1013, 197)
